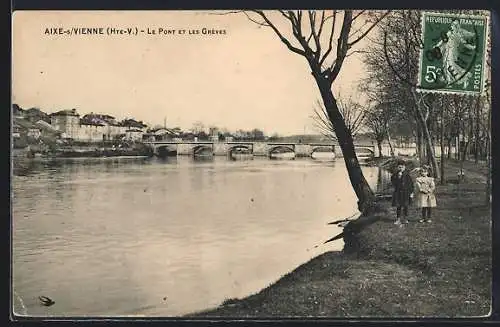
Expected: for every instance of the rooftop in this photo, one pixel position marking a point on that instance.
(67, 112)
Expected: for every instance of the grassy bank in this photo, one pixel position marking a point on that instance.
(438, 269)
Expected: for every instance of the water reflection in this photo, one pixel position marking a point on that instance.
(117, 237)
(383, 184)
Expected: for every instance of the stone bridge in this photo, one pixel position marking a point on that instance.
(163, 148)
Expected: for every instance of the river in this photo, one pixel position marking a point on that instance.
(152, 237)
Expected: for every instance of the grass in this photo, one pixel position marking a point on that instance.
(438, 269)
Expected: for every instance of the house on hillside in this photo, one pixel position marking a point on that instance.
(25, 132)
(92, 131)
(34, 132)
(67, 122)
(100, 119)
(47, 131)
(44, 126)
(34, 114)
(134, 134)
(16, 130)
(160, 134)
(134, 124)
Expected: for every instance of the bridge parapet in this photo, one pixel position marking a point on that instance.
(257, 148)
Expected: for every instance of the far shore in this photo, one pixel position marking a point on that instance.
(437, 269)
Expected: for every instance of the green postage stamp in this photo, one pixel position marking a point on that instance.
(453, 53)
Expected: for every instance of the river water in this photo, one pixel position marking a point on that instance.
(123, 237)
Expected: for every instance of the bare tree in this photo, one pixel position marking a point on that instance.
(353, 113)
(377, 121)
(313, 34)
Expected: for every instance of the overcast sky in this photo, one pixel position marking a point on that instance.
(243, 79)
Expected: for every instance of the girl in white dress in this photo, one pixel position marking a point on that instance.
(425, 197)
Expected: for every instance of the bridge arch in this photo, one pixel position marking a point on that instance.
(166, 151)
(200, 148)
(363, 151)
(276, 148)
(237, 147)
(323, 148)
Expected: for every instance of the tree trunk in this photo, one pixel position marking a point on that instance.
(488, 159)
(363, 191)
(449, 148)
(390, 142)
(420, 152)
(482, 148)
(426, 137)
(441, 143)
(379, 145)
(471, 136)
(464, 151)
(431, 158)
(477, 133)
(432, 132)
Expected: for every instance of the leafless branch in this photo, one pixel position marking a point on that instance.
(255, 21)
(322, 23)
(342, 45)
(225, 13)
(312, 21)
(358, 14)
(330, 41)
(355, 51)
(358, 30)
(368, 30)
(281, 37)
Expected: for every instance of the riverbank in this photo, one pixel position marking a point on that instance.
(82, 151)
(438, 269)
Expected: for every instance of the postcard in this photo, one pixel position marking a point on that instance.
(251, 164)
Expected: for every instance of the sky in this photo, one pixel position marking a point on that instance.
(243, 79)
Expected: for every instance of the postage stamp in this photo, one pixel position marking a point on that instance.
(452, 56)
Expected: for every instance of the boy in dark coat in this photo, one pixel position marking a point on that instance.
(403, 192)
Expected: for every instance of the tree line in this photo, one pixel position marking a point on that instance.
(448, 121)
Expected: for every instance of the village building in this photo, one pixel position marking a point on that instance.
(16, 130)
(160, 134)
(135, 129)
(134, 135)
(89, 128)
(67, 122)
(34, 133)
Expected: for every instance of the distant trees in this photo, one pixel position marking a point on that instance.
(213, 130)
(198, 127)
(202, 136)
(274, 137)
(198, 130)
(377, 121)
(257, 134)
(251, 135)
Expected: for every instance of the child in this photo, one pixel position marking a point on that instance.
(403, 192)
(425, 196)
